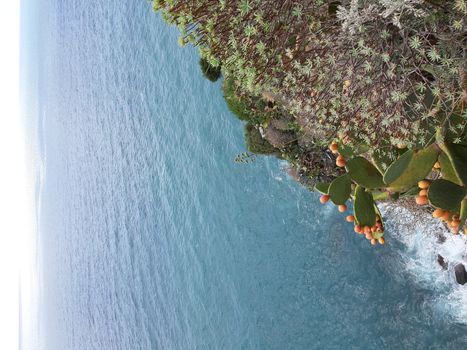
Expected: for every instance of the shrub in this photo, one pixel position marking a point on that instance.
(255, 143)
(209, 71)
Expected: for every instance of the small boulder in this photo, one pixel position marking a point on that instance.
(461, 274)
(279, 138)
(442, 263)
(441, 239)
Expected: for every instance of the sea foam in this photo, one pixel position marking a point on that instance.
(421, 239)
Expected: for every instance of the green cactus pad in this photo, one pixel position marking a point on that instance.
(458, 157)
(463, 212)
(380, 195)
(322, 187)
(351, 151)
(447, 169)
(364, 208)
(340, 189)
(446, 195)
(419, 167)
(397, 168)
(412, 192)
(364, 173)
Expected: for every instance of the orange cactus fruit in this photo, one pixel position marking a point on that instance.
(438, 213)
(423, 193)
(381, 240)
(424, 184)
(421, 200)
(342, 208)
(324, 198)
(340, 163)
(455, 230)
(350, 218)
(358, 229)
(333, 147)
(373, 241)
(446, 215)
(455, 223)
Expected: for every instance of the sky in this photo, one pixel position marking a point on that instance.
(15, 206)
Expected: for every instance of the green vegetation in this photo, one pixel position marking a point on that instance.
(415, 173)
(383, 82)
(209, 71)
(256, 143)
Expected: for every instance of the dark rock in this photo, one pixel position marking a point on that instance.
(442, 263)
(441, 239)
(461, 274)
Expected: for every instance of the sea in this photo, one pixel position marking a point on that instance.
(148, 235)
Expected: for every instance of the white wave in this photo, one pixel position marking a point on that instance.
(422, 238)
(30, 276)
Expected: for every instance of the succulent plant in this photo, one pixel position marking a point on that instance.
(457, 154)
(446, 195)
(364, 173)
(339, 189)
(322, 187)
(463, 213)
(351, 151)
(364, 208)
(404, 177)
(447, 169)
(411, 167)
(397, 168)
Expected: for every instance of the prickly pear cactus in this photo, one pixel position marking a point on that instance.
(340, 189)
(446, 195)
(420, 165)
(364, 173)
(364, 207)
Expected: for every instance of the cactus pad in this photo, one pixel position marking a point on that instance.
(419, 167)
(458, 156)
(340, 189)
(446, 195)
(364, 208)
(463, 212)
(397, 168)
(322, 187)
(351, 151)
(364, 173)
(447, 169)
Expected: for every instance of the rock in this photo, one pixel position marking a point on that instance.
(442, 263)
(441, 238)
(461, 274)
(269, 96)
(279, 138)
(284, 123)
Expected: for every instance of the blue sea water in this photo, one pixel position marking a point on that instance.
(150, 236)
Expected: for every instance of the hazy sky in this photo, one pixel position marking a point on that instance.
(14, 204)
